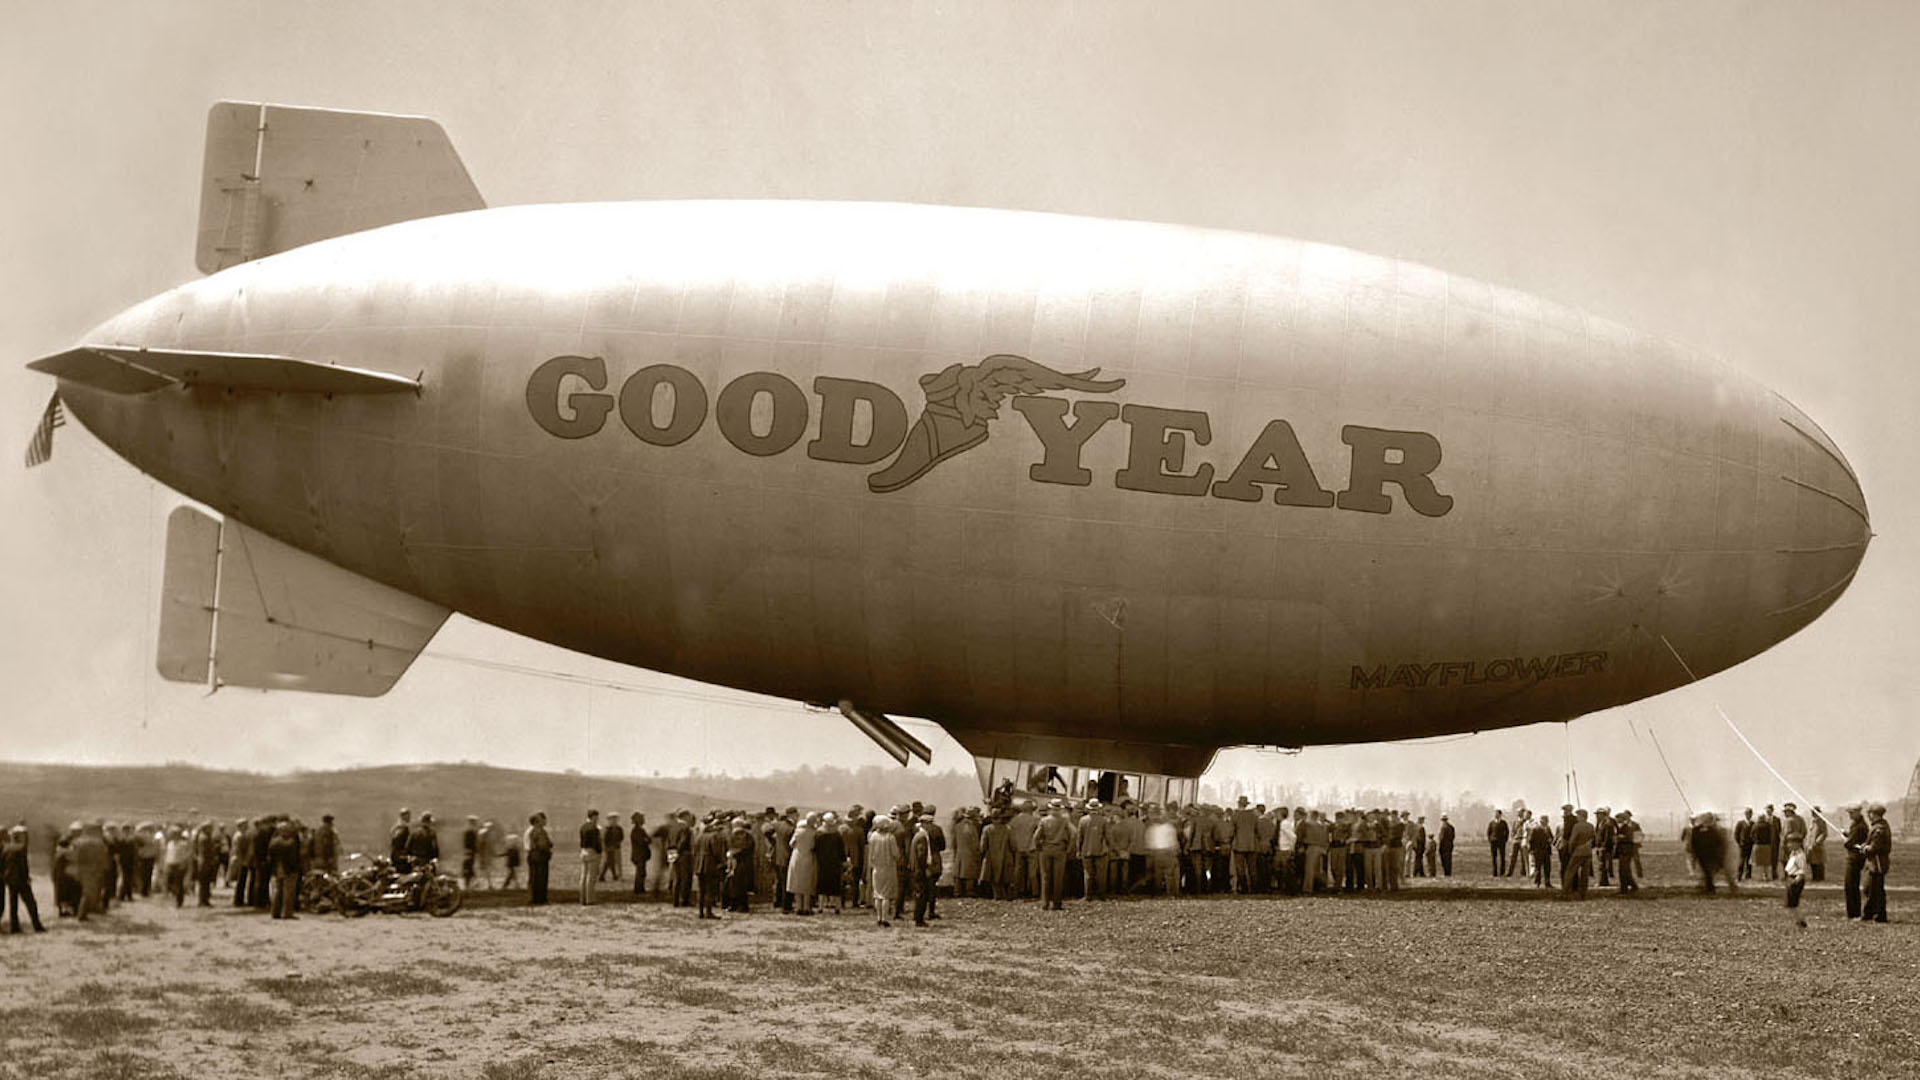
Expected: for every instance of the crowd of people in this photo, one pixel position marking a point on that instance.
(903, 859)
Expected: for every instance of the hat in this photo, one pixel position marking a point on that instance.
(593, 813)
(1566, 806)
(1876, 808)
(1056, 804)
(1790, 806)
(1093, 804)
(929, 808)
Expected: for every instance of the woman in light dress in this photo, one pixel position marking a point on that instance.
(802, 871)
(883, 862)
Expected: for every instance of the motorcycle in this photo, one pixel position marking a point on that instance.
(319, 892)
(380, 887)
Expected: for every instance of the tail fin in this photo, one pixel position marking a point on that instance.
(277, 177)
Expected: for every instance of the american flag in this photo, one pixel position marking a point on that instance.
(41, 448)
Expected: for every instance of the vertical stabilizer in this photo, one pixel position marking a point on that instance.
(277, 177)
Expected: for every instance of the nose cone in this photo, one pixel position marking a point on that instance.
(1813, 516)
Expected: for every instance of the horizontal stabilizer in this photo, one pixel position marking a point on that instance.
(277, 177)
(120, 370)
(240, 608)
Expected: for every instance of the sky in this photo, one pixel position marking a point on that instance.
(1736, 177)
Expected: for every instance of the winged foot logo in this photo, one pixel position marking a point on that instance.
(961, 399)
(764, 413)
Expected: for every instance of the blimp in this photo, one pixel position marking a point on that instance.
(1098, 497)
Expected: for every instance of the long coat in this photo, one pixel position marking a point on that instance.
(829, 854)
(883, 861)
(996, 862)
(966, 846)
(803, 873)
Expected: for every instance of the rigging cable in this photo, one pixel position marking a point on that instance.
(1748, 743)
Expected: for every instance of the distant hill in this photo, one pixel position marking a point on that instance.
(364, 801)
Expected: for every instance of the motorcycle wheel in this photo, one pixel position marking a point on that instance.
(445, 897)
(317, 894)
(357, 897)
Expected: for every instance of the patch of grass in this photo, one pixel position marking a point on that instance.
(94, 1025)
(471, 972)
(682, 991)
(353, 1070)
(89, 993)
(231, 1012)
(350, 988)
(526, 1068)
(125, 1065)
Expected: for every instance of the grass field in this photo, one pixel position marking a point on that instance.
(1440, 981)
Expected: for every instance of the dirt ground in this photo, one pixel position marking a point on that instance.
(1442, 980)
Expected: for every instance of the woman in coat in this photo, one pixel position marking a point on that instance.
(883, 863)
(802, 872)
(829, 856)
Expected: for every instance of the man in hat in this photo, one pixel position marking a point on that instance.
(1052, 838)
(680, 858)
(1093, 850)
(1021, 827)
(590, 855)
(283, 854)
(1817, 845)
(1245, 842)
(470, 850)
(740, 869)
(1626, 844)
(396, 839)
(1579, 850)
(710, 863)
(17, 876)
(1448, 835)
(1603, 844)
(783, 829)
(642, 846)
(1497, 832)
(326, 846)
(1564, 836)
(539, 858)
(1779, 844)
(423, 846)
(1879, 855)
(1793, 829)
(206, 861)
(1765, 836)
(923, 859)
(613, 840)
(1854, 842)
(1743, 839)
